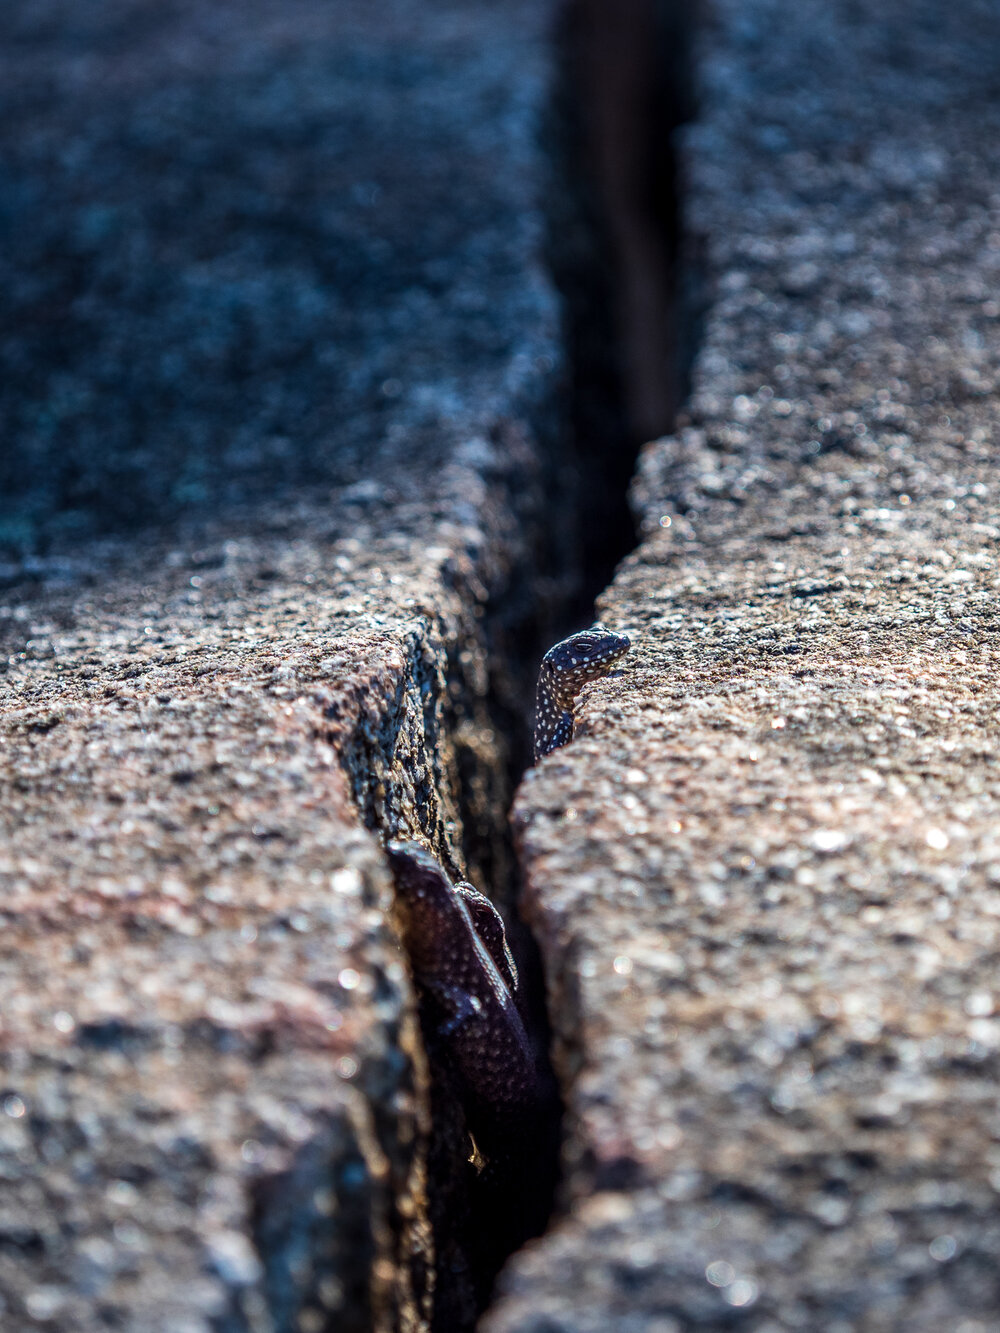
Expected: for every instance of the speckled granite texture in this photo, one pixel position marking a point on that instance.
(278, 343)
(242, 243)
(766, 880)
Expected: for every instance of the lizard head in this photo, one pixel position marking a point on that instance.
(581, 658)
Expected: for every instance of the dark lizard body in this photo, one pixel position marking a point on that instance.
(565, 670)
(455, 937)
(485, 1061)
(458, 951)
(471, 1010)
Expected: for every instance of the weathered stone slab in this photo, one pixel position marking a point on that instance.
(276, 268)
(245, 244)
(766, 880)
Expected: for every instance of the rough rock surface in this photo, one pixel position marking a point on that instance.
(271, 277)
(242, 242)
(766, 879)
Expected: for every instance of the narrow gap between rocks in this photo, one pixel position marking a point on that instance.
(631, 305)
(614, 251)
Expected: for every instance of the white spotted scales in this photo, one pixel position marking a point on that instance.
(565, 670)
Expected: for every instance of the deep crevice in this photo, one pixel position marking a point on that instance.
(630, 304)
(630, 319)
(614, 251)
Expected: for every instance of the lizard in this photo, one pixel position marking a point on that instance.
(456, 943)
(565, 669)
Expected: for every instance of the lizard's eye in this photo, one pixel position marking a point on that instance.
(592, 647)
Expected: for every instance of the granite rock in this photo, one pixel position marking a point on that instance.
(766, 878)
(280, 373)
